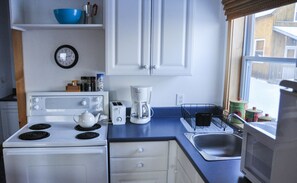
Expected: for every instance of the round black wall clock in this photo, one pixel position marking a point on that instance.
(66, 56)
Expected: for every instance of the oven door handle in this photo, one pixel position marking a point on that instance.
(54, 151)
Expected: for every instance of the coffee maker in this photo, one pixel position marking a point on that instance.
(140, 110)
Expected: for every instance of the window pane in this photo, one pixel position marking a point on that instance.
(278, 28)
(264, 90)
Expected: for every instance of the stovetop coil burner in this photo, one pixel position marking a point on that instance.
(34, 135)
(87, 135)
(95, 127)
(40, 126)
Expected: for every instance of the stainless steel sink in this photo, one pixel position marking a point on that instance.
(216, 146)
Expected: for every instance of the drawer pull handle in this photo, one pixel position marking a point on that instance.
(140, 150)
(140, 165)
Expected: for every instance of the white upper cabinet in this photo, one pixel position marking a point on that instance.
(127, 34)
(38, 14)
(149, 37)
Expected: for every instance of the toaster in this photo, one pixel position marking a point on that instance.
(117, 113)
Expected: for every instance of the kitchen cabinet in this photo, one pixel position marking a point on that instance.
(139, 162)
(9, 118)
(38, 14)
(150, 37)
(185, 172)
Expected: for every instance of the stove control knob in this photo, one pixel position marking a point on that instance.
(84, 102)
(36, 107)
(119, 119)
(98, 99)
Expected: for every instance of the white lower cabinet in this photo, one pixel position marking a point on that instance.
(139, 162)
(185, 171)
(181, 176)
(150, 162)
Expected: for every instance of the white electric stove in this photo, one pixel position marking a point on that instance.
(52, 148)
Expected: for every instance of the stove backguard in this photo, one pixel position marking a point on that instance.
(62, 106)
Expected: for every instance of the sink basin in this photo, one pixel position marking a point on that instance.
(219, 146)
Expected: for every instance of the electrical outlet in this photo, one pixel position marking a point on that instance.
(179, 99)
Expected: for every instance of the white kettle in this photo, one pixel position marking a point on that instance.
(86, 119)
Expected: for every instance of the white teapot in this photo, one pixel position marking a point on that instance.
(86, 119)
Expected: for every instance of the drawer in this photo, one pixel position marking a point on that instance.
(121, 165)
(139, 177)
(139, 149)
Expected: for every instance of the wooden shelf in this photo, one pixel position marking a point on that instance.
(25, 27)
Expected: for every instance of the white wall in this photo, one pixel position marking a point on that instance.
(205, 85)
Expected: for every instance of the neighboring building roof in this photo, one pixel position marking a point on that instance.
(288, 31)
(264, 13)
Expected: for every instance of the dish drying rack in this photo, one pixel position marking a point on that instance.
(204, 118)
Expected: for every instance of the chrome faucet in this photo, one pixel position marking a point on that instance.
(234, 115)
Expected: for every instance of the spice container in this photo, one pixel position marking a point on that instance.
(252, 115)
(93, 83)
(83, 83)
(264, 118)
(238, 107)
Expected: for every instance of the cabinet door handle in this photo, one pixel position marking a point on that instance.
(154, 67)
(140, 165)
(144, 67)
(140, 150)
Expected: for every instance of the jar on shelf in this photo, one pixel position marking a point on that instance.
(100, 84)
(93, 83)
(83, 83)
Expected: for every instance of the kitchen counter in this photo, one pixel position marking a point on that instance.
(166, 125)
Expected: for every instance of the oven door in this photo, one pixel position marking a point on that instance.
(56, 165)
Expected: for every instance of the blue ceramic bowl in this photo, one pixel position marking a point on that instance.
(68, 16)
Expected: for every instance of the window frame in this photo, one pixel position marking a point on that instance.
(295, 13)
(248, 57)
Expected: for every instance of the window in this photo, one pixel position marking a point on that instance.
(272, 33)
(291, 51)
(259, 47)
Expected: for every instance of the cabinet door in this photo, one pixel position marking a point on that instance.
(10, 122)
(171, 37)
(127, 35)
(185, 169)
(181, 176)
(147, 177)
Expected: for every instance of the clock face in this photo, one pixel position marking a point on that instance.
(66, 56)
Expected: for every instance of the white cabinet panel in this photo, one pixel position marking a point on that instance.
(186, 169)
(120, 165)
(171, 37)
(150, 37)
(127, 37)
(138, 149)
(181, 176)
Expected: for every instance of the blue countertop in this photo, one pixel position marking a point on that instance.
(165, 127)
